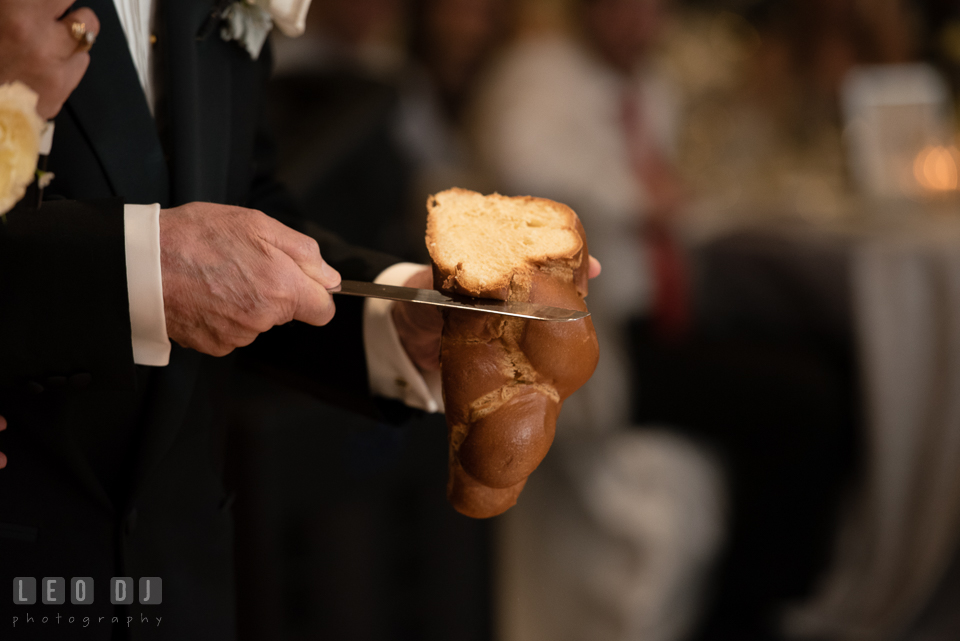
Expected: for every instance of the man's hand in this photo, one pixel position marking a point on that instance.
(230, 274)
(38, 48)
(594, 269)
(420, 326)
(3, 457)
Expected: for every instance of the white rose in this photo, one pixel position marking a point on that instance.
(248, 22)
(20, 128)
(289, 15)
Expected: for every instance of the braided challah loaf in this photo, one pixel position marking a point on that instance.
(504, 378)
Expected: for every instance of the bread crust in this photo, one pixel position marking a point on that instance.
(505, 379)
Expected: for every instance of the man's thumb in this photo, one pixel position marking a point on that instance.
(315, 305)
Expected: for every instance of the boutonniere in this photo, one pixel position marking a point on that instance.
(248, 22)
(20, 133)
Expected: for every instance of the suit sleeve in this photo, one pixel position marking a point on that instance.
(63, 295)
(329, 361)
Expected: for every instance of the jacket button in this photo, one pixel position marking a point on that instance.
(80, 381)
(130, 523)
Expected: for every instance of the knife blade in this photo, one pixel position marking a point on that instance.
(441, 299)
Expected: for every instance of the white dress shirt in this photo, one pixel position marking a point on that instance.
(136, 18)
(391, 373)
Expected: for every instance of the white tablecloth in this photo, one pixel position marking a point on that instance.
(902, 527)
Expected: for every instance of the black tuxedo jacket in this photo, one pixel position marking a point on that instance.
(112, 468)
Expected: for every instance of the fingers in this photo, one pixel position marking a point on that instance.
(315, 304)
(426, 318)
(87, 23)
(303, 250)
(3, 423)
(52, 101)
(422, 279)
(419, 331)
(62, 59)
(420, 342)
(45, 49)
(311, 275)
(595, 268)
(75, 67)
(420, 326)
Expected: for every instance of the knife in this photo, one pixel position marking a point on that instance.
(433, 297)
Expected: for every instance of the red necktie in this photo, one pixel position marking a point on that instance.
(671, 305)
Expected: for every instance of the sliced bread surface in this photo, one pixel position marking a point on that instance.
(480, 242)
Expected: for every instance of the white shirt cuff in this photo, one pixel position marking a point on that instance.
(148, 324)
(392, 374)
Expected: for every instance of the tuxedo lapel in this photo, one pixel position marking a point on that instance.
(196, 86)
(195, 112)
(111, 109)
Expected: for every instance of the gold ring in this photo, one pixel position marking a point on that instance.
(84, 38)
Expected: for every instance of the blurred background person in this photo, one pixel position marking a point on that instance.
(582, 117)
(450, 44)
(620, 526)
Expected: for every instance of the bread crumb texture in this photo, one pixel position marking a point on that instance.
(480, 242)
